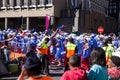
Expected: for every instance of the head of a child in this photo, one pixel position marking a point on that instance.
(74, 61)
(32, 64)
(114, 61)
(98, 56)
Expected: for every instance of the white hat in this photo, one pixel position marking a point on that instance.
(116, 54)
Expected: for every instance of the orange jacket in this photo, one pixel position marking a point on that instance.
(44, 49)
(41, 78)
(70, 49)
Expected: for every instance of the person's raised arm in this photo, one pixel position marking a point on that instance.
(10, 39)
(54, 34)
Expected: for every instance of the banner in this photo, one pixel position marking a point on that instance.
(47, 21)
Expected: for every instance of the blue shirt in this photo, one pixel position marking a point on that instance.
(80, 47)
(98, 72)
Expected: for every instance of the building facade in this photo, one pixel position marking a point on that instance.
(114, 11)
(28, 13)
(76, 15)
(89, 15)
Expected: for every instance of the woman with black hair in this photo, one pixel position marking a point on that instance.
(99, 70)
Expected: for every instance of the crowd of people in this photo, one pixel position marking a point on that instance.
(86, 56)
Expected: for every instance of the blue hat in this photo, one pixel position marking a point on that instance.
(32, 61)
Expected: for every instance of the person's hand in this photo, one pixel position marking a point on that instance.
(23, 73)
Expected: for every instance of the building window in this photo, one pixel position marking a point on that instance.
(11, 3)
(49, 1)
(114, 11)
(22, 2)
(32, 2)
(25, 2)
(8, 2)
(4, 3)
(18, 2)
(110, 11)
(15, 2)
(40, 3)
(1, 4)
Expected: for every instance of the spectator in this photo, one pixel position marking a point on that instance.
(75, 72)
(98, 71)
(114, 68)
(59, 49)
(32, 68)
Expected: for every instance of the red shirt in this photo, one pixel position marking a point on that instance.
(75, 74)
(114, 72)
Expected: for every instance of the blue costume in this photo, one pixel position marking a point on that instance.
(59, 49)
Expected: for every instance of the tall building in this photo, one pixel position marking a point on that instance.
(114, 11)
(87, 16)
(76, 15)
(113, 8)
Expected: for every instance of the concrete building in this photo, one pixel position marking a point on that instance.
(88, 16)
(29, 13)
(113, 11)
(76, 15)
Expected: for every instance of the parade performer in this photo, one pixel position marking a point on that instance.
(70, 50)
(6, 46)
(43, 50)
(85, 55)
(59, 49)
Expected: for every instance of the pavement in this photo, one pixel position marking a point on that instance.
(55, 72)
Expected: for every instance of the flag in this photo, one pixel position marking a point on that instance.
(60, 29)
(47, 21)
